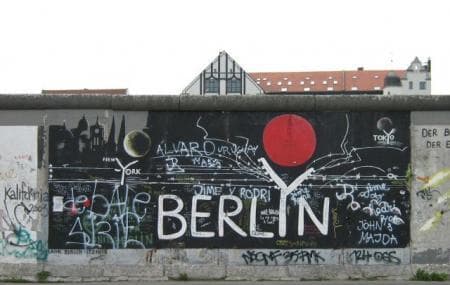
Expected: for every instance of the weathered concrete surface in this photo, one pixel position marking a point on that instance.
(379, 103)
(289, 102)
(247, 103)
(427, 256)
(145, 103)
(430, 217)
(201, 264)
(21, 102)
(260, 282)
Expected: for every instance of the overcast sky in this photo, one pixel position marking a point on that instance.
(158, 47)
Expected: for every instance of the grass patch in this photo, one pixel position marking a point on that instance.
(182, 277)
(422, 275)
(42, 276)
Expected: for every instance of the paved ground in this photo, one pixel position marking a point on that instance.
(356, 282)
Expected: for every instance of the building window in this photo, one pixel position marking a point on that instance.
(233, 85)
(411, 85)
(211, 85)
(423, 85)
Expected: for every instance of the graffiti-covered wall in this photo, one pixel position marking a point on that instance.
(230, 180)
(431, 181)
(290, 187)
(21, 202)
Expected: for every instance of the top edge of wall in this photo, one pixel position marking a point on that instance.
(289, 102)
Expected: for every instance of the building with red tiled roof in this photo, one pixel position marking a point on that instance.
(216, 79)
(324, 82)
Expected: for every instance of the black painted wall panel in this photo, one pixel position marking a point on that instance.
(346, 172)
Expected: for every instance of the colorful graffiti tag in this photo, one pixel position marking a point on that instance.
(231, 180)
(22, 204)
(428, 191)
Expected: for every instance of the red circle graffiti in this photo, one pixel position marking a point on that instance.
(289, 140)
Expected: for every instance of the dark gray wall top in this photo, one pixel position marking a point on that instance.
(286, 102)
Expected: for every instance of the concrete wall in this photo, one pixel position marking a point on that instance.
(31, 214)
(430, 135)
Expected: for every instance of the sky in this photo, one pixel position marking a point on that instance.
(158, 47)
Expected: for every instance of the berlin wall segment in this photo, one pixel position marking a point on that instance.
(22, 204)
(258, 180)
(430, 140)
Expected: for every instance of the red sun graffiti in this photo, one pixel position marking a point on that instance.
(289, 140)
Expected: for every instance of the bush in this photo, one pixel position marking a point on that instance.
(42, 276)
(422, 275)
(183, 277)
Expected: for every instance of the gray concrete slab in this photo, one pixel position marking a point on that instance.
(280, 102)
(350, 282)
